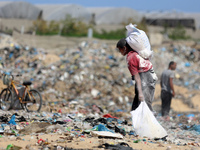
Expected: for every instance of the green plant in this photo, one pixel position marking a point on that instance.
(77, 28)
(73, 27)
(53, 27)
(178, 33)
(41, 27)
(114, 34)
(9, 31)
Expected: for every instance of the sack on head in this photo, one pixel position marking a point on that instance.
(138, 41)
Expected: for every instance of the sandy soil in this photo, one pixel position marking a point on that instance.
(84, 143)
(179, 105)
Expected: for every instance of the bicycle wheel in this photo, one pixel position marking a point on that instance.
(33, 101)
(6, 99)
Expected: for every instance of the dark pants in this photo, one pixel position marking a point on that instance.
(148, 89)
(166, 98)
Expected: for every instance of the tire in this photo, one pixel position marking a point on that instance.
(6, 99)
(34, 101)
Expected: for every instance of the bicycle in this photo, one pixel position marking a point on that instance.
(31, 99)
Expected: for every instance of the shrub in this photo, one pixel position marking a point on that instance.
(77, 28)
(73, 27)
(178, 33)
(41, 27)
(115, 34)
(53, 27)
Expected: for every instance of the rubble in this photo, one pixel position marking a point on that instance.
(87, 91)
(183, 130)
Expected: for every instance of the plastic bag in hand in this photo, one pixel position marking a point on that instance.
(145, 123)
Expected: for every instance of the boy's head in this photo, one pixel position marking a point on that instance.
(172, 65)
(123, 46)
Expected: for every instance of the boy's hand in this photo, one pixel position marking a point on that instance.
(141, 97)
(173, 94)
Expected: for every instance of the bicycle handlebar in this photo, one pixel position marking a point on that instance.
(17, 75)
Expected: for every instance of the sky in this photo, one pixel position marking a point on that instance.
(140, 5)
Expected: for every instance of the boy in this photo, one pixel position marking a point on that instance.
(142, 72)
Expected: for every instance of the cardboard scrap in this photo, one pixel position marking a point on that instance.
(106, 134)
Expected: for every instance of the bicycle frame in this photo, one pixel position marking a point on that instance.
(27, 89)
(29, 99)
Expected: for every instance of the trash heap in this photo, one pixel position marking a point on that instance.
(92, 71)
(88, 73)
(87, 89)
(75, 128)
(187, 56)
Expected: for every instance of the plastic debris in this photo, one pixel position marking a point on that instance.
(12, 120)
(86, 88)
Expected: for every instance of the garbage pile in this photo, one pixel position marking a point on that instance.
(92, 71)
(87, 89)
(186, 54)
(102, 130)
(87, 73)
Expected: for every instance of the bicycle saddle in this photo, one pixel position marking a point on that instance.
(27, 83)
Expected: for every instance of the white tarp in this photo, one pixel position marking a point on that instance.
(21, 10)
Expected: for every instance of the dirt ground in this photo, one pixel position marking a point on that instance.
(85, 143)
(56, 45)
(52, 44)
(178, 104)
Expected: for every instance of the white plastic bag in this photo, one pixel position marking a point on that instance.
(145, 124)
(138, 40)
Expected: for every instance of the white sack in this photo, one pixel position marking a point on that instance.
(138, 40)
(145, 124)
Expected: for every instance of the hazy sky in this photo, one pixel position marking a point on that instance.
(140, 5)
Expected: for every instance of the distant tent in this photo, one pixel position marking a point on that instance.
(115, 15)
(59, 12)
(21, 10)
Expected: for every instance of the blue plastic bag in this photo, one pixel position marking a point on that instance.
(12, 120)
